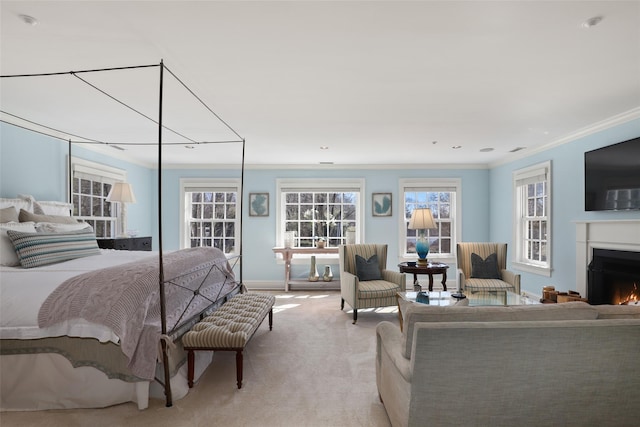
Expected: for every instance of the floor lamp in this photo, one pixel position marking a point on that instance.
(122, 193)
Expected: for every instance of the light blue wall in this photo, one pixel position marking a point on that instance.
(31, 163)
(34, 164)
(567, 171)
(259, 232)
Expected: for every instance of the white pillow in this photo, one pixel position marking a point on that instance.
(17, 203)
(54, 227)
(55, 208)
(8, 256)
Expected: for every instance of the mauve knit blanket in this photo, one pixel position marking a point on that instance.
(126, 299)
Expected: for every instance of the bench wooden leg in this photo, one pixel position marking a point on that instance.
(239, 367)
(190, 367)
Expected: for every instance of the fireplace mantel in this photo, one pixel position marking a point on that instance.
(622, 235)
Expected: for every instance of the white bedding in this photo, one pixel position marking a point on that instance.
(23, 290)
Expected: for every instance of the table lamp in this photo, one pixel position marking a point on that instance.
(421, 219)
(122, 193)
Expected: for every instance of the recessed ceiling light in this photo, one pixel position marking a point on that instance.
(486, 150)
(27, 19)
(455, 147)
(434, 142)
(592, 22)
(517, 149)
(324, 147)
(190, 147)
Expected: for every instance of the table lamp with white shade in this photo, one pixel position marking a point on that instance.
(122, 193)
(422, 219)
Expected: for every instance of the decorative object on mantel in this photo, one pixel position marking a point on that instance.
(313, 271)
(422, 219)
(320, 243)
(122, 193)
(328, 274)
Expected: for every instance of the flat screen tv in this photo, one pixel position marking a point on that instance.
(612, 177)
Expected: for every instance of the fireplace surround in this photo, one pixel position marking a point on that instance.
(618, 235)
(614, 277)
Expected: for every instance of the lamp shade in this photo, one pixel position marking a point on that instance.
(421, 219)
(121, 192)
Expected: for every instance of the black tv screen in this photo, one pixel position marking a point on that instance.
(612, 177)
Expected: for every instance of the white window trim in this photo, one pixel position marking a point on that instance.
(301, 184)
(108, 174)
(213, 183)
(455, 183)
(518, 261)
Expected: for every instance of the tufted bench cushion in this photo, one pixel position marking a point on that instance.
(229, 328)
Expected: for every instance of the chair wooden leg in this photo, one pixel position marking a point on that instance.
(190, 367)
(271, 319)
(239, 368)
(342, 304)
(355, 316)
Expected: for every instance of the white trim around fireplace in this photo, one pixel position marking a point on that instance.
(622, 235)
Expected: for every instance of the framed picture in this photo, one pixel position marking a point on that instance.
(381, 204)
(258, 204)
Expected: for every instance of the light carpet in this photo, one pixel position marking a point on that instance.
(315, 368)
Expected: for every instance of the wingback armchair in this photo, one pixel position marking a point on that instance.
(485, 271)
(370, 289)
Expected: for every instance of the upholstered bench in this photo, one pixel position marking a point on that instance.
(229, 328)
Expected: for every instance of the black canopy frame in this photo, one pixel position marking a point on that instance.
(182, 325)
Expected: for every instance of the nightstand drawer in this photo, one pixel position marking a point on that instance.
(126, 243)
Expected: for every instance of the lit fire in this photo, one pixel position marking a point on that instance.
(632, 298)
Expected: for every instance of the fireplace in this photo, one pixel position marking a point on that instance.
(614, 235)
(614, 277)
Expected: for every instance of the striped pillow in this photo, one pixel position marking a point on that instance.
(36, 249)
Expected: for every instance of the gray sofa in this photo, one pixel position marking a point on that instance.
(566, 364)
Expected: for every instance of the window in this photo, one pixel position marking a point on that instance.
(319, 209)
(90, 188)
(441, 196)
(532, 190)
(209, 214)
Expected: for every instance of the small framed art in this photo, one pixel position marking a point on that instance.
(258, 204)
(381, 204)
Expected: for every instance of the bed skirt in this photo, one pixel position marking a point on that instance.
(38, 381)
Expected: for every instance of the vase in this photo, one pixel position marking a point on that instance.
(313, 271)
(328, 274)
(320, 244)
(351, 237)
(289, 239)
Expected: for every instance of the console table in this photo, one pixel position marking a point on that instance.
(288, 253)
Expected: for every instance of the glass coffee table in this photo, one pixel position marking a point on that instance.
(444, 298)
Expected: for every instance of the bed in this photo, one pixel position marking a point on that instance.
(60, 347)
(58, 330)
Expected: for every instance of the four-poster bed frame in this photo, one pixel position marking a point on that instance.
(168, 334)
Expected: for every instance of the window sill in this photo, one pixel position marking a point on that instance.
(530, 268)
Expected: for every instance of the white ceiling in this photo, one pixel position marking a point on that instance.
(384, 82)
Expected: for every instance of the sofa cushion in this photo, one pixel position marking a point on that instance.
(485, 268)
(412, 313)
(618, 311)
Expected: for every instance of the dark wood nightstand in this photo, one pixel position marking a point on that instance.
(126, 243)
